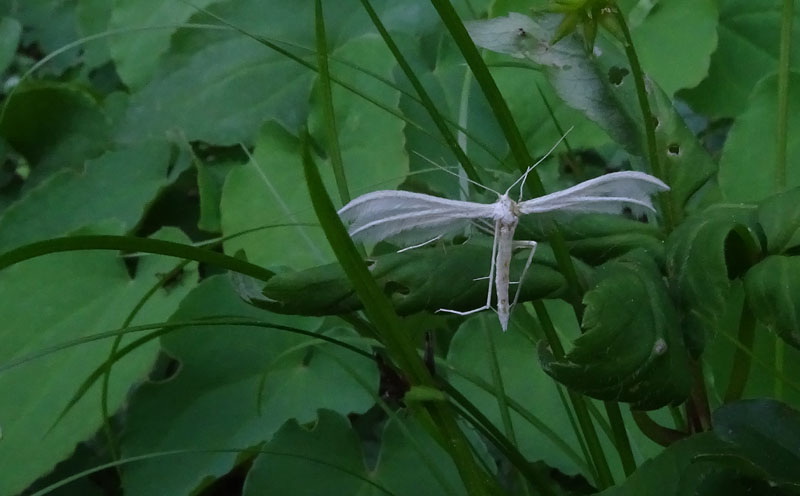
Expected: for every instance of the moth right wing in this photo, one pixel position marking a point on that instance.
(407, 218)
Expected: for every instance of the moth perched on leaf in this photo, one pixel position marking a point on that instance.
(406, 218)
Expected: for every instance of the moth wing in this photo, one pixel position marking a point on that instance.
(611, 193)
(407, 218)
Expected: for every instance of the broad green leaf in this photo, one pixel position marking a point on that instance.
(235, 387)
(136, 55)
(779, 217)
(49, 24)
(416, 280)
(767, 435)
(773, 293)
(118, 186)
(747, 51)
(550, 437)
(576, 78)
(52, 300)
(54, 126)
(676, 472)
(92, 19)
(603, 89)
(747, 169)
(632, 349)
(703, 254)
(10, 31)
(328, 458)
(675, 40)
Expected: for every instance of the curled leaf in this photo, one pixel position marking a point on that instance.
(632, 350)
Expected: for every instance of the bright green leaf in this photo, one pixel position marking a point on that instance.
(773, 294)
(235, 387)
(136, 54)
(747, 51)
(10, 30)
(328, 458)
(55, 299)
(779, 217)
(747, 169)
(118, 186)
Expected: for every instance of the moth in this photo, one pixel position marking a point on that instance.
(406, 218)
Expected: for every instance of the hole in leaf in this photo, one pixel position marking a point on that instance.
(393, 287)
(738, 256)
(617, 74)
(369, 263)
(673, 149)
(165, 369)
(656, 122)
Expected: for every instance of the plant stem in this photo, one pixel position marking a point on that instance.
(621, 441)
(740, 369)
(783, 93)
(648, 118)
(599, 460)
(655, 432)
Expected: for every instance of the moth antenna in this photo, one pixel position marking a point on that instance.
(524, 176)
(423, 157)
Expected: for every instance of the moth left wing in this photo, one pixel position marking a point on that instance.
(407, 218)
(610, 193)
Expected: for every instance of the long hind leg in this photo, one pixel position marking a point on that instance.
(492, 269)
(532, 246)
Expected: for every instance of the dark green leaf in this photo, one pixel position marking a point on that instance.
(773, 294)
(54, 126)
(703, 254)
(417, 280)
(767, 434)
(632, 350)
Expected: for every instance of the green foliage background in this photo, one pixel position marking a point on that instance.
(148, 148)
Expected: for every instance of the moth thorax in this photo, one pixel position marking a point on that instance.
(506, 210)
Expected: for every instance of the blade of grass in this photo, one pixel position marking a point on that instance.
(328, 114)
(132, 244)
(424, 98)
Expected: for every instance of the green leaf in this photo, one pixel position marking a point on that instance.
(67, 296)
(10, 31)
(675, 471)
(773, 293)
(675, 40)
(54, 126)
(136, 55)
(747, 51)
(48, 24)
(779, 217)
(747, 169)
(574, 76)
(328, 458)
(632, 350)
(415, 280)
(767, 434)
(703, 254)
(93, 17)
(116, 187)
(235, 387)
(545, 433)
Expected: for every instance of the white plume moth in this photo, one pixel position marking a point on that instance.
(406, 218)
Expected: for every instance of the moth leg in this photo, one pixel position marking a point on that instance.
(532, 246)
(408, 248)
(492, 269)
